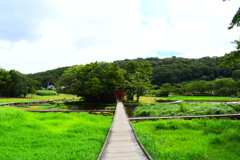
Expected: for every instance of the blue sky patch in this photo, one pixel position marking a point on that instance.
(168, 53)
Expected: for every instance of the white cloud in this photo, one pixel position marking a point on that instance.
(79, 32)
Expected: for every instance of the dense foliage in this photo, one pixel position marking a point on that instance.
(15, 84)
(137, 79)
(197, 139)
(48, 77)
(176, 69)
(96, 82)
(26, 135)
(217, 87)
(158, 109)
(167, 70)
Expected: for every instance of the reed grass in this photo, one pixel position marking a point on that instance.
(27, 135)
(198, 139)
(206, 108)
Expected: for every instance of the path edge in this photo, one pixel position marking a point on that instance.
(106, 139)
(135, 135)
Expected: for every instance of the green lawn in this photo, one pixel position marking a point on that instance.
(42, 136)
(34, 97)
(198, 139)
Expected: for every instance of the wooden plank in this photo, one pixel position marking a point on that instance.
(121, 143)
(183, 117)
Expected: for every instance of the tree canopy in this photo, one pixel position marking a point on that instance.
(95, 82)
(137, 78)
(232, 58)
(47, 77)
(15, 84)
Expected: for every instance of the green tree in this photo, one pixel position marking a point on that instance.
(236, 75)
(225, 87)
(18, 84)
(5, 80)
(47, 77)
(137, 79)
(94, 82)
(166, 89)
(15, 84)
(233, 57)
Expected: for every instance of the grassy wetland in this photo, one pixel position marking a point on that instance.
(198, 139)
(26, 135)
(182, 109)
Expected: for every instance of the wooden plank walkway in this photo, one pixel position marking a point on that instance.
(121, 143)
(184, 117)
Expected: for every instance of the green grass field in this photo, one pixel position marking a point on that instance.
(143, 99)
(198, 139)
(201, 98)
(33, 97)
(45, 136)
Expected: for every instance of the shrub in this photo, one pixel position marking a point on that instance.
(183, 107)
(46, 92)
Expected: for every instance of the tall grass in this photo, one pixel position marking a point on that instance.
(163, 109)
(198, 139)
(26, 135)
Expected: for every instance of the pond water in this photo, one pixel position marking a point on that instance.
(86, 107)
(129, 109)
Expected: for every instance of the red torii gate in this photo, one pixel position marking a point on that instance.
(120, 95)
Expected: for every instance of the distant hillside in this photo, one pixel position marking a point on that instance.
(47, 77)
(177, 69)
(167, 70)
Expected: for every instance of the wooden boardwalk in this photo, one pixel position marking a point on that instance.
(121, 143)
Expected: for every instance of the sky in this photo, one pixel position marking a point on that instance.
(39, 35)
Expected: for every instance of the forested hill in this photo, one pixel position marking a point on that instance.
(177, 69)
(47, 77)
(166, 70)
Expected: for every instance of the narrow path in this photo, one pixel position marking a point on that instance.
(122, 143)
